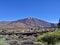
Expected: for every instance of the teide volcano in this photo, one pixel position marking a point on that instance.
(26, 23)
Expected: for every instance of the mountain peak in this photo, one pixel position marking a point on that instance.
(30, 18)
(34, 22)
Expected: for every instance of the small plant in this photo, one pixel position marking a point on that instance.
(2, 41)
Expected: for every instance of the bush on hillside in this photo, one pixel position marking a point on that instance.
(50, 38)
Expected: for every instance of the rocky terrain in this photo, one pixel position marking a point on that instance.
(11, 37)
(19, 40)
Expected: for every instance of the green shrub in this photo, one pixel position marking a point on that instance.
(51, 37)
(2, 41)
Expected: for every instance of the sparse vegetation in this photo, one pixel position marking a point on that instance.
(8, 37)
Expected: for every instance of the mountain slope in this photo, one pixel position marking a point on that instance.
(25, 24)
(35, 22)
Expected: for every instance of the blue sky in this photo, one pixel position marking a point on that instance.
(48, 10)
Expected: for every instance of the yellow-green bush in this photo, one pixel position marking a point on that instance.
(2, 41)
(51, 37)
